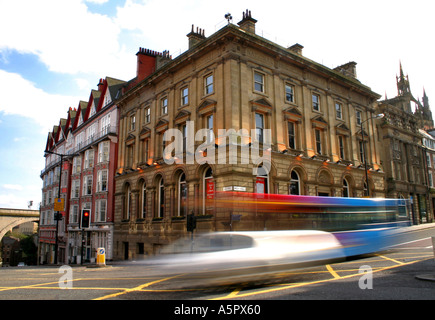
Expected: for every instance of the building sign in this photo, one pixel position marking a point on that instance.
(261, 185)
(210, 189)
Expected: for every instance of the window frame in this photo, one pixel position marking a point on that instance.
(88, 182)
(316, 103)
(208, 86)
(261, 83)
(147, 114)
(259, 131)
(164, 106)
(292, 94)
(318, 141)
(293, 135)
(338, 111)
(101, 181)
(184, 92)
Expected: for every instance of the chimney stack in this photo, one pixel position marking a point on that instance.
(296, 48)
(348, 69)
(146, 63)
(100, 85)
(247, 23)
(195, 37)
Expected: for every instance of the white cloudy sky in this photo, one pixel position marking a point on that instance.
(52, 53)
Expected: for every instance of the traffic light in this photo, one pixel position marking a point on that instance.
(86, 218)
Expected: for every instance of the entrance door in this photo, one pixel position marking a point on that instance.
(125, 250)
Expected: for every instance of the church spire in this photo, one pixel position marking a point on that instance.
(402, 83)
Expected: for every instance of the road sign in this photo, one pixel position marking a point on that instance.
(59, 204)
(101, 256)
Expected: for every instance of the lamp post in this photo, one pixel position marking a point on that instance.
(378, 116)
(57, 217)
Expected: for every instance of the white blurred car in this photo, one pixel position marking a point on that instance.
(238, 256)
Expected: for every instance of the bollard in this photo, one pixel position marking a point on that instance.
(433, 246)
(101, 257)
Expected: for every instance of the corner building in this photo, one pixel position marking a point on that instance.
(321, 124)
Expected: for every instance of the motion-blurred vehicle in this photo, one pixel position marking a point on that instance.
(225, 257)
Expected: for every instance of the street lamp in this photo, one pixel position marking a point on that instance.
(57, 217)
(378, 116)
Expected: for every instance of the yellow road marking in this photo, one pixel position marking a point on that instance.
(334, 274)
(296, 285)
(391, 259)
(138, 288)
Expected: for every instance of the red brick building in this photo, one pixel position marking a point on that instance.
(87, 139)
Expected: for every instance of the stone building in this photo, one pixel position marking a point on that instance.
(297, 126)
(405, 159)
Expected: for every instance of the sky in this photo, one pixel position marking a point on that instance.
(53, 52)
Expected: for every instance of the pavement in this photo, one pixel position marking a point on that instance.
(428, 276)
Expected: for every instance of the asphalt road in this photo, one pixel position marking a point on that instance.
(392, 275)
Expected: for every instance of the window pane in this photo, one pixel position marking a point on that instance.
(258, 82)
(289, 94)
(209, 84)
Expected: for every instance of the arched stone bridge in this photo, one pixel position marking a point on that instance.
(10, 218)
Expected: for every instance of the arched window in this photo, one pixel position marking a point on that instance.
(366, 189)
(295, 186)
(208, 194)
(182, 195)
(144, 200)
(160, 198)
(128, 202)
(346, 190)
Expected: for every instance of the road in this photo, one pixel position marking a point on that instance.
(390, 275)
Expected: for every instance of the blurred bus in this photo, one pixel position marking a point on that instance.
(294, 212)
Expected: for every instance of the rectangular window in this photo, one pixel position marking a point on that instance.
(164, 105)
(132, 122)
(77, 165)
(338, 111)
(148, 115)
(361, 152)
(291, 135)
(129, 155)
(318, 136)
(75, 188)
(102, 181)
(74, 214)
(209, 125)
(100, 210)
(183, 130)
(105, 124)
(341, 146)
(89, 158)
(87, 185)
(358, 117)
(316, 102)
(103, 151)
(146, 150)
(258, 82)
(289, 93)
(184, 96)
(208, 83)
(259, 127)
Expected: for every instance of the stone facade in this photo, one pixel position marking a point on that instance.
(321, 124)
